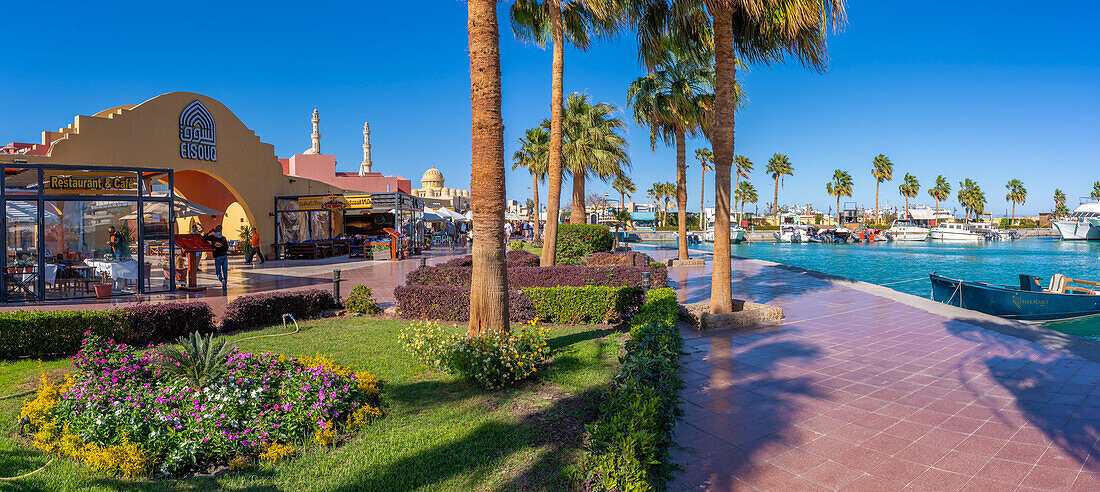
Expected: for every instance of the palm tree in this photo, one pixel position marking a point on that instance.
(909, 188)
(742, 166)
(706, 159)
(674, 101)
(883, 170)
(1095, 190)
(745, 193)
(622, 218)
(1016, 194)
(752, 31)
(489, 278)
(533, 155)
(778, 166)
(625, 186)
(577, 21)
(971, 197)
(841, 185)
(940, 192)
(593, 146)
(1060, 209)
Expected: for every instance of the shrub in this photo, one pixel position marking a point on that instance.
(589, 304)
(512, 259)
(268, 308)
(562, 275)
(361, 300)
(155, 323)
(451, 303)
(121, 414)
(46, 333)
(577, 241)
(630, 258)
(492, 360)
(628, 444)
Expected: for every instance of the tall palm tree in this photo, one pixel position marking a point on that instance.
(753, 31)
(625, 186)
(940, 192)
(593, 146)
(778, 166)
(489, 278)
(742, 167)
(841, 185)
(1095, 190)
(674, 101)
(706, 159)
(909, 188)
(972, 198)
(745, 193)
(578, 22)
(883, 170)
(1016, 194)
(1060, 209)
(534, 156)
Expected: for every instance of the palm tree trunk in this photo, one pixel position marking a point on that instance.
(489, 278)
(877, 183)
(1013, 214)
(553, 199)
(577, 215)
(535, 192)
(681, 192)
(721, 280)
(906, 215)
(702, 193)
(775, 204)
(838, 210)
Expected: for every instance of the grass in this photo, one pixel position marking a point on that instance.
(531, 249)
(439, 432)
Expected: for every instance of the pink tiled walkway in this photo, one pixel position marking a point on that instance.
(859, 391)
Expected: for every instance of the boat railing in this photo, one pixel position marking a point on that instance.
(1060, 284)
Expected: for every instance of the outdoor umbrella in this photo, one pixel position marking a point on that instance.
(432, 215)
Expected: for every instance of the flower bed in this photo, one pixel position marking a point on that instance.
(492, 360)
(630, 258)
(628, 444)
(123, 413)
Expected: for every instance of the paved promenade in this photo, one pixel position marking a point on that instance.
(864, 388)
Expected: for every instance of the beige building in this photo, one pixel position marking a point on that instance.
(436, 195)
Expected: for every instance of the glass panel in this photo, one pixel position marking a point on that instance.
(156, 272)
(20, 181)
(21, 258)
(155, 184)
(92, 242)
(85, 183)
(290, 223)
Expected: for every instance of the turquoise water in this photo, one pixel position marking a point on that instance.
(904, 266)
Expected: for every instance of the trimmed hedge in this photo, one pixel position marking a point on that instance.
(268, 308)
(628, 444)
(577, 241)
(516, 258)
(589, 304)
(54, 333)
(452, 303)
(630, 258)
(555, 276)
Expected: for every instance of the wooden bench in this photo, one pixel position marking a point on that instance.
(310, 251)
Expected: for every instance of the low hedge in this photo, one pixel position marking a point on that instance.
(54, 333)
(554, 276)
(589, 304)
(514, 258)
(628, 445)
(452, 303)
(268, 308)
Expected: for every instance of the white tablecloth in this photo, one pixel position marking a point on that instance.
(116, 269)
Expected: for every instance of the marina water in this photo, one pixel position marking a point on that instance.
(904, 266)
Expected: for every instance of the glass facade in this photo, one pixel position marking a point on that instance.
(72, 228)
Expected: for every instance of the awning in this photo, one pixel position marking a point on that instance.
(642, 216)
(512, 217)
(431, 215)
(183, 209)
(449, 214)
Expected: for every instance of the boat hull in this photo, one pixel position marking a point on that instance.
(1013, 303)
(908, 235)
(955, 236)
(1077, 230)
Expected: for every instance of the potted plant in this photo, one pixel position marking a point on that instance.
(380, 252)
(103, 288)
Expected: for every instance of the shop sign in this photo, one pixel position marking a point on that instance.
(198, 136)
(92, 183)
(310, 202)
(358, 201)
(334, 202)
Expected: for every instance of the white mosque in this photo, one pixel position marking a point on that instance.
(436, 195)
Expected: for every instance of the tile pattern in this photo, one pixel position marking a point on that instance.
(854, 391)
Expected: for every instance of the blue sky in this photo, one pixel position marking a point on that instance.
(983, 90)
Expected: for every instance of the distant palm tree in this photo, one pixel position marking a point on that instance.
(1060, 209)
(841, 185)
(625, 186)
(778, 166)
(575, 21)
(674, 101)
(745, 193)
(883, 170)
(1016, 194)
(534, 156)
(706, 161)
(668, 192)
(909, 188)
(621, 218)
(940, 192)
(972, 198)
(594, 146)
(1095, 190)
(742, 168)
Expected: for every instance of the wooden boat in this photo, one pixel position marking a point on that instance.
(1028, 302)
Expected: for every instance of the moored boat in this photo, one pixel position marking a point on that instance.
(792, 234)
(1082, 224)
(952, 231)
(904, 230)
(1027, 302)
(737, 234)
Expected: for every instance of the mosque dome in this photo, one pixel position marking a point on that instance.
(432, 179)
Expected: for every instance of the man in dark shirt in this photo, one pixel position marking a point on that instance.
(114, 241)
(221, 252)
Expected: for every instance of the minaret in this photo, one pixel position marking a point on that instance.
(316, 137)
(365, 167)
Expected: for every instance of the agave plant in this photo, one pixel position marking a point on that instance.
(199, 360)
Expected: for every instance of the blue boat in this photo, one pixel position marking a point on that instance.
(1028, 302)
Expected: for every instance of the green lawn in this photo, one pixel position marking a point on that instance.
(439, 433)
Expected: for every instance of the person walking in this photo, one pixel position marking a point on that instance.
(255, 250)
(221, 254)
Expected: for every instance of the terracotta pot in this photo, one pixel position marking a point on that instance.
(103, 291)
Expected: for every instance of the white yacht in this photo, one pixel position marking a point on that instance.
(904, 230)
(737, 234)
(951, 231)
(791, 234)
(1083, 223)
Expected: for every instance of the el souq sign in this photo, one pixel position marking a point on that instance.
(198, 137)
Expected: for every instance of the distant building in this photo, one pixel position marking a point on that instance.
(436, 195)
(312, 164)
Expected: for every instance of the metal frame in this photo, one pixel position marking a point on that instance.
(40, 197)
